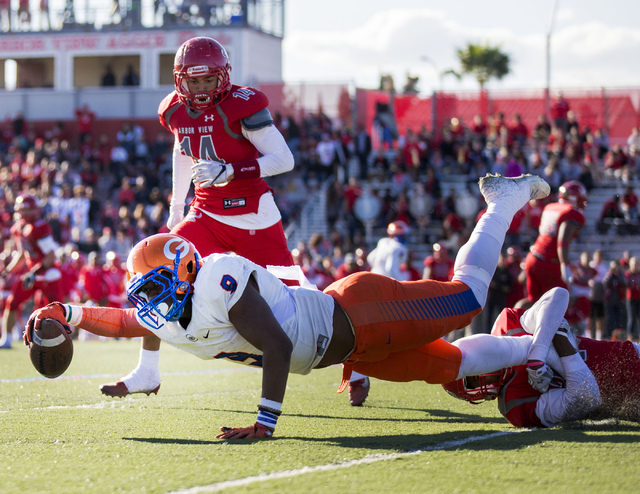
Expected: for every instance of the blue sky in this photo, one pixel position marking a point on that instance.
(594, 43)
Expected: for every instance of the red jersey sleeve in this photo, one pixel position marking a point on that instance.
(243, 102)
(507, 322)
(166, 108)
(575, 215)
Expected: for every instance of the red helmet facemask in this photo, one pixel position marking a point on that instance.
(201, 57)
(485, 392)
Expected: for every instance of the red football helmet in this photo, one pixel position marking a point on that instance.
(440, 251)
(574, 193)
(485, 392)
(201, 57)
(398, 229)
(27, 207)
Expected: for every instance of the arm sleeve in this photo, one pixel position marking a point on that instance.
(276, 156)
(579, 398)
(107, 321)
(181, 179)
(543, 319)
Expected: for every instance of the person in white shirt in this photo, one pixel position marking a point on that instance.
(391, 252)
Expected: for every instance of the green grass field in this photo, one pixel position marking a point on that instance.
(63, 436)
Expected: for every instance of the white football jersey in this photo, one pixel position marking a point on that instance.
(387, 258)
(306, 316)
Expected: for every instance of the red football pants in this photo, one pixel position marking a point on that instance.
(264, 247)
(542, 276)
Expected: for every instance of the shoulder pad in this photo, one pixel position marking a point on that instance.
(258, 120)
(243, 102)
(167, 106)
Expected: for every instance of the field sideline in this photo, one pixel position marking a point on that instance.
(63, 436)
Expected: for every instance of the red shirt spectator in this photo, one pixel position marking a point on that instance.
(85, 119)
(560, 108)
(453, 223)
(351, 193)
(615, 158)
(126, 195)
(633, 285)
(478, 127)
(439, 266)
(630, 201)
(519, 130)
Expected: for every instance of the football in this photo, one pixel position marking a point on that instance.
(51, 349)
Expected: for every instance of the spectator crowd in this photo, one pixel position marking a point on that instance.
(101, 197)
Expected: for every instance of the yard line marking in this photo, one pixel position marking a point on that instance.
(334, 466)
(106, 376)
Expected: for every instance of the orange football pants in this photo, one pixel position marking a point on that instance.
(398, 326)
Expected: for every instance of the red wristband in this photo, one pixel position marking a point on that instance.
(246, 170)
(534, 363)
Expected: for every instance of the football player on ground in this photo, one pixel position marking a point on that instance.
(35, 254)
(547, 264)
(227, 307)
(220, 130)
(593, 379)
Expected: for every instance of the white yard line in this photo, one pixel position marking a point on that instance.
(334, 466)
(107, 376)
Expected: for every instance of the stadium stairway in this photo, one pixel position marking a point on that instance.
(611, 244)
(313, 220)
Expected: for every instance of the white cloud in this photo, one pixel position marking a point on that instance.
(565, 14)
(394, 41)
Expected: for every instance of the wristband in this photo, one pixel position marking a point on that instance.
(268, 413)
(535, 363)
(73, 314)
(246, 170)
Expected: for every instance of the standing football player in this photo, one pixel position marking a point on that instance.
(547, 264)
(34, 258)
(225, 142)
(390, 252)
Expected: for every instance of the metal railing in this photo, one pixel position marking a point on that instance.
(313, 218)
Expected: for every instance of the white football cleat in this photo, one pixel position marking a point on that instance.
(513, 193)
(140, 380)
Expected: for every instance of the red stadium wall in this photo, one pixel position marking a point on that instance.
(616, 111)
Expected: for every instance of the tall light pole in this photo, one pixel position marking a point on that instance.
(547, 93)
(434, 97)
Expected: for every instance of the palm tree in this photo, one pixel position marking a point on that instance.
(484, 62)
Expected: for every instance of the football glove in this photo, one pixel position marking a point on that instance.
(206, 173)
(566, 273)
(176, 215)
(54, 310)
(28, 280)
(539, 377)
(256, 431)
